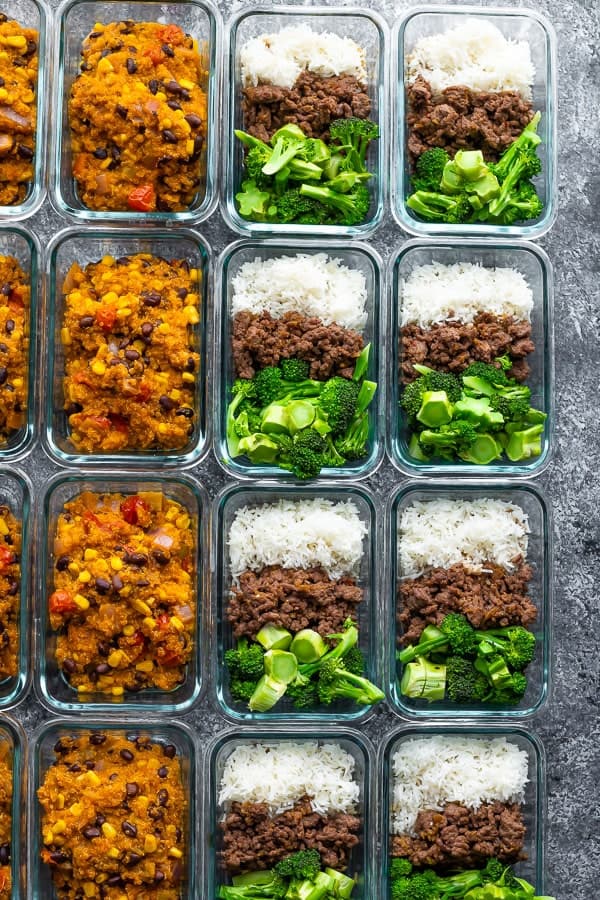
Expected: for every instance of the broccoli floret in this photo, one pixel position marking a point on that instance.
(243, 390)
(525, 443)
(455, 632)
(303, 692)
(448, 440)
(418, 886)
(303, 864)
(305, 463)
(246, 661)
(350, 208)
(338, 401)
(464, 683)
(429, 169)
(519, 162)
(423, 680)
(353, 134)
(241, 690)
(429, 380)
(262, 885)
(254, 162)
(354, 661)
(315, 151)
(400, 867)
(254, 203)
(353, 445)
(514, 643)
(267, 384)
(511, 409)
(435, 207)
(291, 206)
(287, 142)
(494, 375)
(294, 369)
(337, 683)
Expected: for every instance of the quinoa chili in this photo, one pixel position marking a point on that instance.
(10, 583)
(18, 112)
(137, 113)
(123, 599)
(113, 818)
(6, 792)
(15, 295)
(130, 370)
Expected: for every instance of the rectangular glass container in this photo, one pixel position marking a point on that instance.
(226, 507)
(53, 688)
(42, 757)
(75, 20)
(516, 24)
(361, 865)
(534, 806)
(16, 493)
(13, 735)
(358, 256)
(365, 27)
(534, 264)
(72, 246)
(539, 557)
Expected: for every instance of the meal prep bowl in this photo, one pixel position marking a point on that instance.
(42, 757)
(13, 736)
(15, 492)
(226, 506)
(72, 245)
(534, 264)
(534, 807)
(76, 19)
(366, 28)
(518, 24)
(53, 688)
(359, 256)
(539, 556)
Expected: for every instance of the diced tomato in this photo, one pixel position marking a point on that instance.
(119, 423)
(144, 392)
(163, 621)
(131, 507)
(15, 299)
(89, 516)
(61, 602)
(187, 564)
(155, 54)
(106, 318)
(100, 421)
(169, 658)
(138, 638)
(142, 198)
(171, 34)
(7, 557)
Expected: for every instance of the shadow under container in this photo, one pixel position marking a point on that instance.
(533, 808)
(365, 28)
(361, 865)
(13, 738)
(359, 257)
(539, 557)
(74, 246)
(42, 757)
(533, 263)
(226, 506)
(517, 25)
(52, 685)
(34, 14)
(25, 248)
(75, 20)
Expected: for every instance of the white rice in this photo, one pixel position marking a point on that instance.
(297, 534)
(444, 532)
(458, 292)
(280, 58)
(432, 771)
(280, 774)
(310, 285)
(475, 54)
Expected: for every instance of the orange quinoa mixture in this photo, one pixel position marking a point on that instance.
(10, 584)
(124, 601)
(14, 346)
(137, 113)
(113, 818)
(18, 111)
(130, 372)
(6, 792)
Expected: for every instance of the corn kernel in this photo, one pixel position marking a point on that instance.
(15, 40)
(175, 394)
(98, 367)
(76, 809)
(104, 66)
(124, 312)
(73, 568)
(188, 377)
(90, 554)
(164, 328)
(115, 658)
(98, 27)
(163, 428)
(3, 94)
(114, 853)
(182, 522)
(3, 527)
(59, 827)
(116, 563)
(89, 889)
(65, 336)
(108, 260)
(192, 315)
(48, 836)
(141, 607)
(60, 801)
(177, 623)
(146, 666)
(81, 602)
(150, 843)
(189, 147)
(149, 622)
(84, 689)
(85, 576)
(175, 852)
(128, 630)
(108, 830)
(92, 779)
(194, 275)
(160, 95)
(17, 382)
(117, 690)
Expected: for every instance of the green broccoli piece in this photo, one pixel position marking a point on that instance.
(294, 369)
(525, 444)
(291, 206)
(353, 136)
(268, 385)
(464, 683)
(494, 375)
(350, 208)
(337, 683)
(303, 864)
(400, 867)
(303, 692)
(423, 680)
(435, 207)
(243, 390)
(510, 409)
(241, 690)
(245, 661)
(338, 401)
(454, 632)
(254, 162)
(304, 462)
(315, 151)
(354, 443)
(418, 886)
(254, 203)
(448, 440)
(514, 643)
(287, 142)
(354, 661)
(429, 380)
(519, 162)
(262, 885)
(429, 170)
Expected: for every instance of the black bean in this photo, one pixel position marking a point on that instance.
(177, 871)
(168, 51)
(193, 120)
(190, 365)
(127, 755)
(13, 588)
(62, 563)
(153, 85)
(164, 160)
(90, 832)
(103, 648)
(115, 152)
(168, 136)
(10, 326)
(185, 95)
(186, 412)
(9, 388)
(131, 65)
(3, 374)
(121, 111)
(100, 820)
(117, 583)
(97, 739)
(24, 151)
(100, 153)
(132, 355)
(129, 829)
(73, 408)
(90, 765)
(113, 776)
(102, 669)
(58, 857)
(136, 559)
(2, 82)
(123, 261)
(160, 557)
(147, 329)
(4, 854)
(59, 747)
(102, 585)
(178, 835)
(173, 104)
(166, 403)
(151, 298)
(132, 788)
(31, 47)
(115, 881)
(69, 665)
(198, 144)
(134, 859)
(86, 321)
(3, 348)
(158, 876)
(93, 35)
(74, 767)
(162, 772)
(163, 796)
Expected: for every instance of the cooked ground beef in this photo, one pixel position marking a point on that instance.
(259, 340)
(312, 103)
(493, 598)
(452, 346)
(292, 599)
(252, 839)
(464, 838)
(460, 118)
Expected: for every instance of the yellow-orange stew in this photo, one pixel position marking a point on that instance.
(15, 296)
(6, 795)
(18, 110)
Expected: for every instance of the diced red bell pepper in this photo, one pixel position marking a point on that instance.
(7, 557)
(163, 622)
(171, 34)
(131, 507)
(142, 198)
(156, 56)
(119, 423)
(61, 602)
(106, 318)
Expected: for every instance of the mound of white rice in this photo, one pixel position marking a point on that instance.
(310, 285)
(444, 532)
(476, 54)
(280, 774)
(458, 292)
(280, 58)
(297, 534)
(432, 771)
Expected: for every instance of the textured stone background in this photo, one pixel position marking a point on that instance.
(569, 725)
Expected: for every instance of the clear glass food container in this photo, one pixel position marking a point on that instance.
(516, 24)
(53, 688)
(534, 805)
(361, 866)
(42, 757)
(358, 256)
(74, 246)
(34, 14)
(13, 736)
(75, 20)
(539, 557)
(534, 264)
(24, 246)
(226, 506)
(16, 493)
(365, 27)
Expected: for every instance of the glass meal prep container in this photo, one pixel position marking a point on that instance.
(13, 749)
(53, 687)
(361, 866)
(73, 246)
(517, 24)
(76, 19)
(539, 557)
(34, 14)
(534, 806)
(360, 257)
(227, 504)
(42, 757)
(534, 264)
(369, 31)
